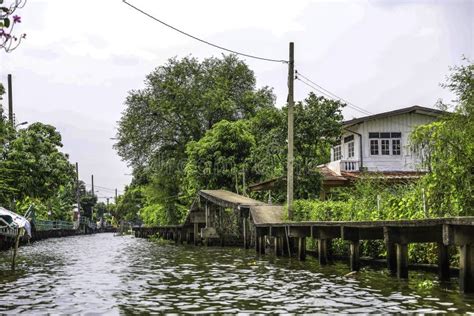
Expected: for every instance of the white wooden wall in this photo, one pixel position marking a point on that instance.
(404, 123)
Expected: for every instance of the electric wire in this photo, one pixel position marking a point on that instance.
(333, 95)
(201, 40)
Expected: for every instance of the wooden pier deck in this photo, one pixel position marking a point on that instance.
(261, 225)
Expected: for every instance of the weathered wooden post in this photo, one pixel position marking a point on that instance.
(354, 255)
(15, 249)
(466, 268)
(302, 248)
(261, 241)
(196, 233)
(402, 261)
(391, 257)
(463, 237)
(244, 230)
(443, 262)
(322, 252)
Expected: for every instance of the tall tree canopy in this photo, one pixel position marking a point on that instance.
(219, 159)
(199, 125)
(35, 163)
(448, 149)
(180, 102)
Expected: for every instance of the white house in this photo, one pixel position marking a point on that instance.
(380, 142)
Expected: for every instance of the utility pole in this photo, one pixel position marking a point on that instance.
(10, 100)
(78, 195)
(289, 177)
(115, 196)
(92, 183)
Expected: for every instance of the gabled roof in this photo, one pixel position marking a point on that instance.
(412, 109)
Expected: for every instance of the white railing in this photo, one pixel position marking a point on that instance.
(349, 165)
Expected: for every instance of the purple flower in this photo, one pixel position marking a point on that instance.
(16, 19)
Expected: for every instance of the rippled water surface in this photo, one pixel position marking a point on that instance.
(106, 274)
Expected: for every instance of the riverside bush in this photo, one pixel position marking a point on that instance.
(370, 199)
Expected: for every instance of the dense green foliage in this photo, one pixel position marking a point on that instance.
(180, 102)
(199, 125)
(220, 158)
(33, 170)
(448, 149)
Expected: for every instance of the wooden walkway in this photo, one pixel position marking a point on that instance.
(289, 238)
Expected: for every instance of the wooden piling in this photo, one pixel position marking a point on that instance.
(466, 268)
(279, 246)
(402, 261)
(322, 252)
(302, 248)
(354, 255)
(391, 257)
(443, 262)
(196, 233)
(15, 249)
(261, 242)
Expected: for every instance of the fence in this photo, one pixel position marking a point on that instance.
(42, 225)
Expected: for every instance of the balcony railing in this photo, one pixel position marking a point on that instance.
(349, 165)
(343, 165)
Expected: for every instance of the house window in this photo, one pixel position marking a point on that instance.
(374, 146)
(385, 144)
(349, 138)
(396, 148)
(350, 149)
(390, 143)
(337, 153)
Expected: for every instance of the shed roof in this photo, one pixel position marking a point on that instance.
(228, 199)
(267, 214)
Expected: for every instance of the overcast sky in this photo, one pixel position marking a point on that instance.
(81, 58)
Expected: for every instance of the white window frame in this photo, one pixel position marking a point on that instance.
(385, 146)
(337, 152)
(350, 149)
(385, 141)
(399, 147)
(376, 141)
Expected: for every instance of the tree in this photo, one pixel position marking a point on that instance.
(317, 127)
(87, 200)
(35, 166)
(6, 133)
(218, 159)
(180, 102)
(448, 150)
(129, 205)
(318, 123)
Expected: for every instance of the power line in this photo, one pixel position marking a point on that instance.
(332, 94)
(350, 105)
(201, 40)
(102, 188)
(334, 98)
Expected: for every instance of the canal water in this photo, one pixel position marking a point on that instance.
(106, 274)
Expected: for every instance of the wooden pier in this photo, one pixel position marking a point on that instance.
(260, 225)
